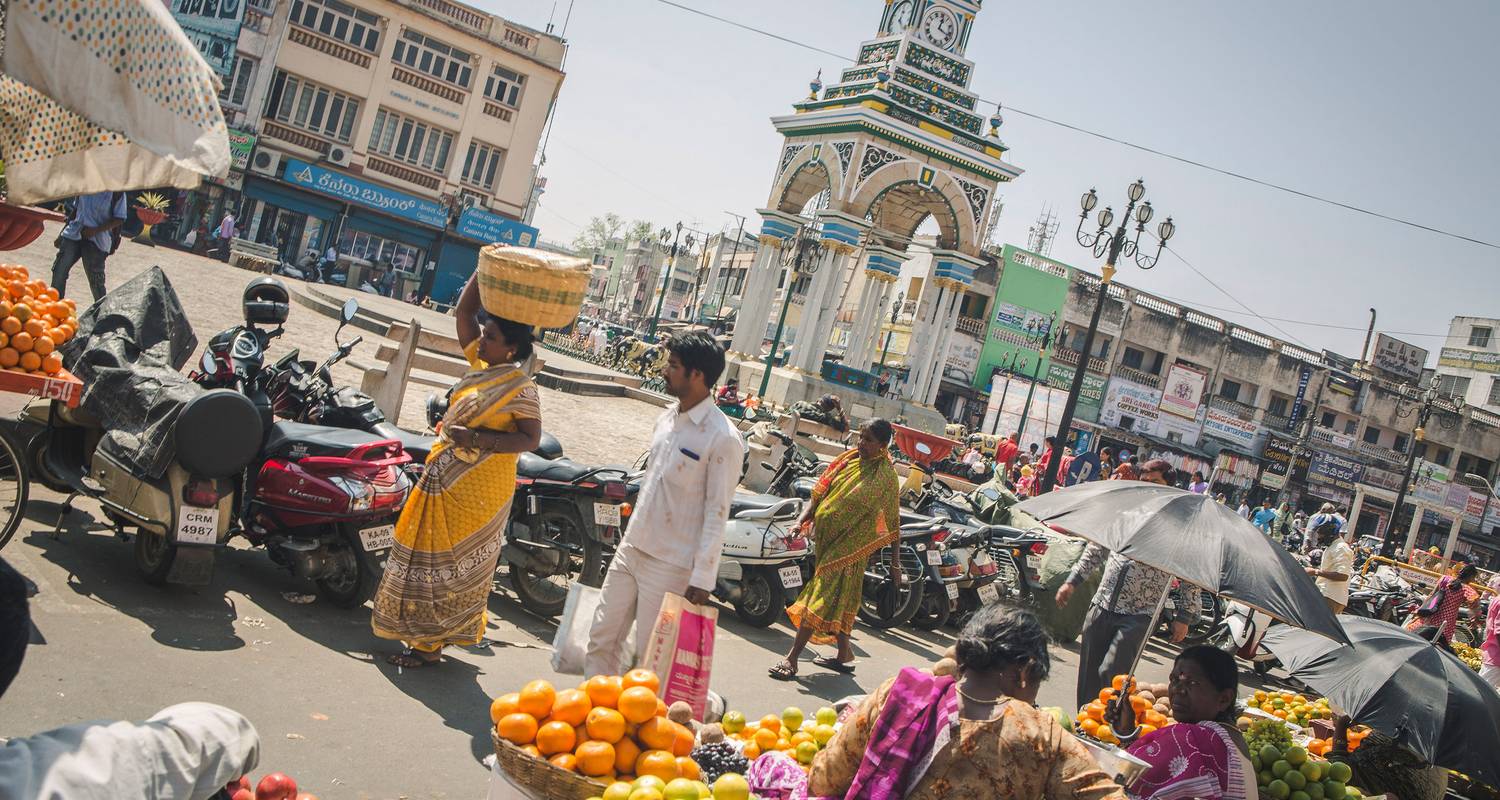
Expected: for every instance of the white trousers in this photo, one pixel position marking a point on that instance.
(1491, 674)
(632, 595)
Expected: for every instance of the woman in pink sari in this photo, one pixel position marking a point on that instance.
(1490, 647)
(1203, 755)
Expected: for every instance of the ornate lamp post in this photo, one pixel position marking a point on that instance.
(666, 281)
(895, 315)
(1110, 245)
(1423, 411)
(801, 255)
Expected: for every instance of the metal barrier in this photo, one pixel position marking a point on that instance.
(1424, 576)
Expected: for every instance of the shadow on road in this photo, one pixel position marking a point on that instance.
(451, 690)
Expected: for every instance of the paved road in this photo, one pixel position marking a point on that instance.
(311, 677)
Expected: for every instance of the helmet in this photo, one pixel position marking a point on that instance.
(265, 302)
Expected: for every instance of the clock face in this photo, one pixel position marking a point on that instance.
(940, 27)
(900, 17)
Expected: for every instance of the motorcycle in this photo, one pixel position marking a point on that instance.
(797, 472)
(1378, 595)
(976, 577)
(883, 603)
(1210, 614)
(765, 559)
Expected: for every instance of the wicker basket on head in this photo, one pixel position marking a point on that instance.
(543, 779)
(533, 287)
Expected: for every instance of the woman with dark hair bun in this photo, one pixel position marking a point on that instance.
(923, 737)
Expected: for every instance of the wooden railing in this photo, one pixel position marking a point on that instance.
(450, 93)
(403, 173)
(316, 41)
(292, 136)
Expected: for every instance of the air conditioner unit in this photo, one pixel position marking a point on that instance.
(266, 162)
(338, 156)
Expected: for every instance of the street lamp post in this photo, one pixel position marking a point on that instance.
(1423, 411)
(666, 281)
(733, 254)
(1111, 245)
(800, 255)
(895, 315)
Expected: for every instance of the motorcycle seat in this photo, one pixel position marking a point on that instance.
(535, 467)
(297, 440)
(753, 502)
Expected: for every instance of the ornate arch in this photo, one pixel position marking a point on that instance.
(899, 195)
(811, 169)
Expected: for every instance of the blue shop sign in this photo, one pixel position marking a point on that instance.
(483, 226)
(354, 190)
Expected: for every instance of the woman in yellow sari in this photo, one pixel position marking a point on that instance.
(437, 580)
(853, 513)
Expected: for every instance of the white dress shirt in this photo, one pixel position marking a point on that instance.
(1337, 557)
(695, 462)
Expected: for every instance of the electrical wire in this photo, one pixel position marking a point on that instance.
(1237, 301)
(1122, 142)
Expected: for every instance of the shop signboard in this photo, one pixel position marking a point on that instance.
(1334, 470)
(1090, 399)
(1460, 358)
(491, 228)
(240, 146)
(1382, 479)
(1183, 431)
(1299, 404)
(1131, 406)
(1474, 508)
(1458, 497)
(1183, 390)
(1226, 426)
(354, 190)
(963, 356)
(213, 26)
(1028, 300)
(1431, 481)
(1008, 404)
(1398, 358)
(1278, 456)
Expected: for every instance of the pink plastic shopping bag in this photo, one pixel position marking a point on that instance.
(682, 651)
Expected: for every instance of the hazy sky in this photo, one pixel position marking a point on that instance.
(1385, 105)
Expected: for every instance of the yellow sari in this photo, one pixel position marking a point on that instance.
(438, 577)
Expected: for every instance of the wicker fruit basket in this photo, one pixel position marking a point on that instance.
(533, 287)
(542, 778)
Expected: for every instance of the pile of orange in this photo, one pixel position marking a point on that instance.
(34, 322)
(609, 728)
(1151, 712)
(1321, 747)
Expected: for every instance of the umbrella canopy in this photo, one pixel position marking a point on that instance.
(1195, 538)
(1403, 686)
(104, 96)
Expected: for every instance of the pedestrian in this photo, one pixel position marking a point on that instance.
(437, 578)
(676, 532)
(330, 258)
(1282, 526)
(883, 383)
(1197, 485)
(1451, 594)
(1264, 517)
(1126, 471)
(1490, 646)
(90, 234)
(1120, 614)
(1244, 509)
(1335, 567)
(853, 513)
(1007, 450)
(1107, 463)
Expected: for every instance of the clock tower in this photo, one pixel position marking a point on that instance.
(898, 139)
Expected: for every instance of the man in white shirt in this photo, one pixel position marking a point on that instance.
(676, 532)
(1337, 564)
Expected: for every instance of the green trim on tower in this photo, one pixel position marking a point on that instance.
(886, 134)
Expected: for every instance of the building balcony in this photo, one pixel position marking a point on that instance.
(1379, 453)
(1276, 422)
(329, 47)
(1234, 407)
(403, 173)
(497, 111)
(457, 15)
(1064, 355)
(1136, 376)
(294, 137)
(452, 94)
(1332, 437)
(971, 326)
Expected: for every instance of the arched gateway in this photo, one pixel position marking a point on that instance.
(899, 138)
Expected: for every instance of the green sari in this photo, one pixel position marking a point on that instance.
(857, 515)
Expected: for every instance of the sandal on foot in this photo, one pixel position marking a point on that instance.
(411, 660)
(784, 671)
(825, 662)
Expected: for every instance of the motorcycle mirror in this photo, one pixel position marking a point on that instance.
(206, 364)
(351, 307)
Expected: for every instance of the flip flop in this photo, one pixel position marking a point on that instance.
(783, 672)
(834, 664)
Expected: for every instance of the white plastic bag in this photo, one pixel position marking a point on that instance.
(571, 643)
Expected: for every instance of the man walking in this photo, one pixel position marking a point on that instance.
(675, 535)
(89, 235)
(1119, 618)
(1337, 564)
(1007, 450)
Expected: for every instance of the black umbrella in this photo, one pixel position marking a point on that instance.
(1195, 538)
(1403, 686)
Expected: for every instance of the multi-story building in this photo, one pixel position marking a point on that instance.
(403, 132)
(723, 280)
(1468, 366)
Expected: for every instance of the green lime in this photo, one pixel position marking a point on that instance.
(1311, 770)
(1340, 772)
(1279, 790)
(1280, 768)
(1294, 779)
(1353, 792)
(1295, 756)
(1300, 796)
(1334, 790)
(1264, 778)
(1314, 790)
(1255, 762)
(1269, 754)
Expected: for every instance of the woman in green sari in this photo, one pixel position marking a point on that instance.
(853, 513)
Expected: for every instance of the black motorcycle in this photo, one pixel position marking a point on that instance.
(797, 472)
(885, 604)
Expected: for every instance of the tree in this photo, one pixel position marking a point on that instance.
(641, 231)
(597, 235)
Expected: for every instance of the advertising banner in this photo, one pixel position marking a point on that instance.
(240, 145)
(484, 226)
(1334, 470)
(1028, 299)
(1183, 390)
(1130, 406)
(213, 26)
(1278, 457)
(1007, 405)
(344, 187)
(963, 356)
(1430, 484)
(1090, 400)
(1299, 404)
(1382, 479)
(1460, 358)
(1238, 432)
(1398, 357)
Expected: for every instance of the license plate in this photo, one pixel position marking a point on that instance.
(197, 525)
(988, 593)
(1170, 603)
(791, 577)
(1033, 562)
(378, 538)
(607, 514)
(934, 558)
(952, 589)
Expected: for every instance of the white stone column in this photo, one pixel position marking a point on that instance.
(755, 305)
(1356, 506)
(923, 330)
(857, 355)
(828, 312)
(876, 341)
(940, 359)
(808, 353)
(1411, 532)
(1458, 523)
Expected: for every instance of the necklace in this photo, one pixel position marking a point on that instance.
(980, 701)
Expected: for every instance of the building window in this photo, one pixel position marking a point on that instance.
(1229, 390)
(504, 86)
(1452, 386)
(1280, 406)
(380, 250)
(263, 6)
(1372, 435)
(428, 55)
(339, 20)
(482, 164)
(302, 104)
(405, 139)
(1133, 358)
(237, 85)
(1439, 455)
(1480, 337)
(1494, 398)
(1328, 420)
(1401, 443)
(1350, 426)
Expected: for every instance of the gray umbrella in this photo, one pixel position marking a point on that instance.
(1195, 538)
(1401, 685)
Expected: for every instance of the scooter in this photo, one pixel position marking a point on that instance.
(765, 559)
(1240, 633)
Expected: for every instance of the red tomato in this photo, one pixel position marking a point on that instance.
(276, 786)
